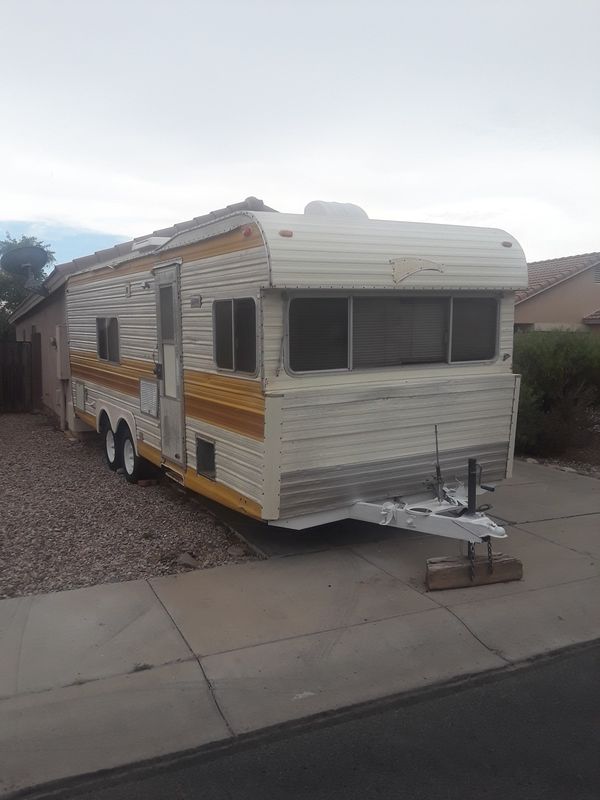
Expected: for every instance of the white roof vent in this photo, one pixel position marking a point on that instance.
(319, 208)
(149, 243)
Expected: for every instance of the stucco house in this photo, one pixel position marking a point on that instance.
(563, 293)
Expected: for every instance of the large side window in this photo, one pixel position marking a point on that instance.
(389, 331)
(474, 328)
(235, 334)
(107, 338)
(318, 333)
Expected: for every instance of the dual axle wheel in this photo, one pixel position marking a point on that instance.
(119, 451)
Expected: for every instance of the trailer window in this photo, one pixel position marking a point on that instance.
(318, 333)
(235, 334)
(389, 331)
(107, 338)
(474, 328)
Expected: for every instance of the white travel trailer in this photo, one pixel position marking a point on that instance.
(303, 368)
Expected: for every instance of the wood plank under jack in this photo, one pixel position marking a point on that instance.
(449, 572)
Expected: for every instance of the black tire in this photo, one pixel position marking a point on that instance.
(135, 467)
(112, 449)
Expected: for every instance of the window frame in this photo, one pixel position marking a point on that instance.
(418, 365)
(235, 371)
(108, 359)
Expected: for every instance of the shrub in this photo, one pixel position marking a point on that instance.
(560, 383)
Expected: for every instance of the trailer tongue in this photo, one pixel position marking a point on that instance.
(450, 512)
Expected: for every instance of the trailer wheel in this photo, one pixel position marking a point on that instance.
(133, 465)
(111, 447)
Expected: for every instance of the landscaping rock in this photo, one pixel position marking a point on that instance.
(68, 521)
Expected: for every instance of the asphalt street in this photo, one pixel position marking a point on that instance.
(527, 734)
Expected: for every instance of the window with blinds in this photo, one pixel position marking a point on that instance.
(389, 331)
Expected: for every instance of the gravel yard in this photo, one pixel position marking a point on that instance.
(67, 521)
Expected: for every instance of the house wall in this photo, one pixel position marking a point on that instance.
(43, 320)
(563, 305)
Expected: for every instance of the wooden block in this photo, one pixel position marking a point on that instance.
(454, 572)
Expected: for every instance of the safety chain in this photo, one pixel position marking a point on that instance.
(471, 554)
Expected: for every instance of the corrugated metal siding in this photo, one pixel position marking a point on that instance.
(108, 297)
(307, 491)
(235, 275)
(331, 431)
(98, 396)
(239, 459)
(337, 253)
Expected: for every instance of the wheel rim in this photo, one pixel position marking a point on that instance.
(128, 456)
(110, 446)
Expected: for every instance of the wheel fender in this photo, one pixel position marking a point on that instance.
(116, 416)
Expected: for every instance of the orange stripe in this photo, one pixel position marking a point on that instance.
(230, 242)
(89, 419)
(201, 485)
(123, 377)
(225, 401)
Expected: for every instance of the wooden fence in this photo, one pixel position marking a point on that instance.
(15, 376)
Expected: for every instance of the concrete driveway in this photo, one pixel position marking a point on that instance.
(95, 678)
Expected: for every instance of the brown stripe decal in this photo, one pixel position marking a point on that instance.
(232, 403)
(230, 242)
(123, 377)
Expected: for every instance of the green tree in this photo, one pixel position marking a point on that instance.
(12, 281)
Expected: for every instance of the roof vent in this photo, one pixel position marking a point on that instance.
(319, 208)
(149, 243)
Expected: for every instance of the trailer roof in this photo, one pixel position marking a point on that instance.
(309, 250)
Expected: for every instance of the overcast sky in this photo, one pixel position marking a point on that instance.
(122, 117)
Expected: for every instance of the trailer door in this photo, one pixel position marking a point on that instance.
(169, 369)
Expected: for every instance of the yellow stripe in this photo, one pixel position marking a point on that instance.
(230, 242)
(89, 419)
(222, 494)
(201, 485)
(123, 377)
(225, 401)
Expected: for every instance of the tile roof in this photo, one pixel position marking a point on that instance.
(593, 318)
(544, 274)
(59, 274)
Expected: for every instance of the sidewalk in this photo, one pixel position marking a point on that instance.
(105, 676)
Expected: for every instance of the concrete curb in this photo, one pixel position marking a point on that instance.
(77, 784)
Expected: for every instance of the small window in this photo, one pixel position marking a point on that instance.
(167, 322)
(107, 338)
(235, 334)
(474, 328)
(205, 458)
(318, 333)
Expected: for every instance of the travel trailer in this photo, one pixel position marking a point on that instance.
(305, 368)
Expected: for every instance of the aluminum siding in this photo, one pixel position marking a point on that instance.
(334, 438)
(329, 252)
(239, 459)
(125, 297)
